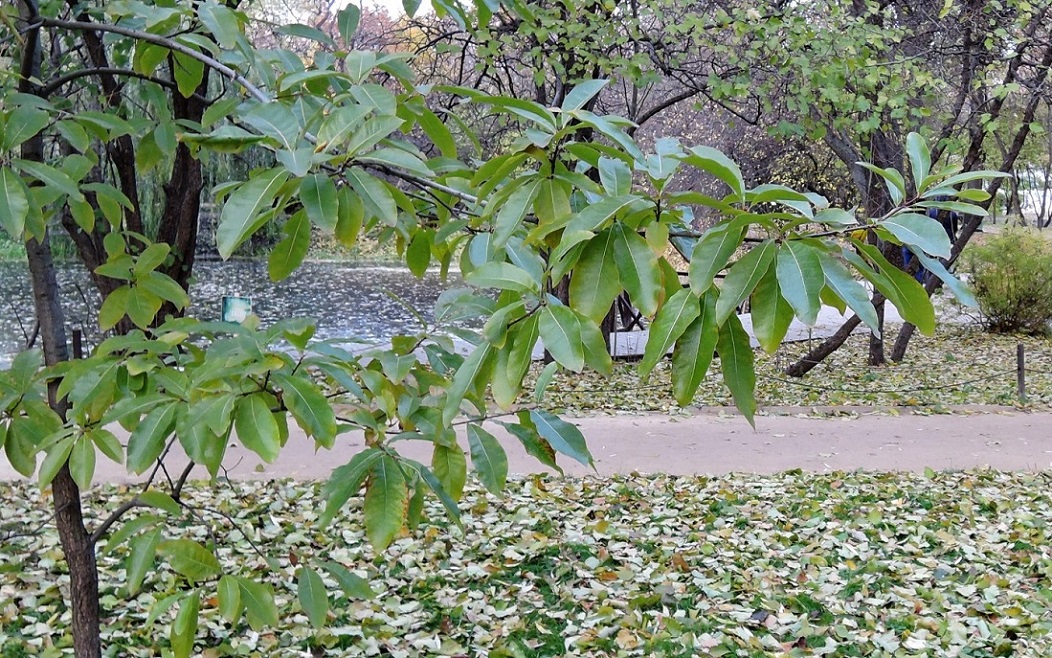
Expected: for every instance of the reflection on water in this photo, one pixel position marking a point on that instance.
(348, 301)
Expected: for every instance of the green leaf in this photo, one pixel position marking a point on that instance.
(371, 132)
(800, 279)
(902, 289)
(347, 22)
(221, 22)
(379, 202)
(21, 448)
(478, 363)
(311, 593)
(351, 217)
(354, 586)
(771, 315)
(719, 165)
(736, 362)
(151, 258)
(711, 253)
(256, 427)
(190, 559)
(582, 93)
(346, 481)
(228, 593)
(288, 254)
(450, 467)
(51, 177)
(672, 320)
(960, 290)
(56, 457)
(159, 500)
(562, 436)
(428, 478)
(106, 442)
(596, 351)
(418, 253)
(503, 276)
(693, 352)
(437, 132)
(742, 278)
(339, 125)
(919, 231)
(23, 122)
(513, 209)
(488, 458)
(386, 501)
(920, 159)
(140, 558)
(301, 31)
(561, 332)
(276, 121)
(241, 212)
(82, 462)
(14, 203)
(147, 440)
(595, 215)
(143, 306)
(595, 282)
(319, 198)
(188, 73)
(513, 362)
(184, 628)
(399, 159)
(893, 180)
(640, 274)
(840, 281)
(615, 176)
(544, 379)
(259, 604)
(164, 287)
(114, 307)
(309, 407)
(359, 64)
(535, 446)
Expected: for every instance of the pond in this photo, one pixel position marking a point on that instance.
(351, 301)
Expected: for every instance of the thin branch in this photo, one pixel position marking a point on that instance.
(57, 83)
(170, 44)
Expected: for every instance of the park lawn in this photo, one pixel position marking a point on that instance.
(846, 564)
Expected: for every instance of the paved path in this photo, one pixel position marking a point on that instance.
(718, 441)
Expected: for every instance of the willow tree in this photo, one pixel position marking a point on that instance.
(512, 224)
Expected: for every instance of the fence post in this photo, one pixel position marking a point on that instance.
(1020, 373)
(78, 342)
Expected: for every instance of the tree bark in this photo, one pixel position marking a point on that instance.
(69, 519)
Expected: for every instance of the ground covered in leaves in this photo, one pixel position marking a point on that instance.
(948, 564)
(960, 365)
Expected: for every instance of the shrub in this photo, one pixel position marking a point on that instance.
(1011, 274)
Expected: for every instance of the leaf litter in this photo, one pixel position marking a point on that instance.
(794, 564)
(959, 365)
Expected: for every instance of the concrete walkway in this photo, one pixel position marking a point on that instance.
(717, 441)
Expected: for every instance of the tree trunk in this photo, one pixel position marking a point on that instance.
(824, 349)
(69, 519)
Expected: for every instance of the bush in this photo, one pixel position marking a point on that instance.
(1011, 274)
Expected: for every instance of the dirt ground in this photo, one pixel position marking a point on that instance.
(716, 441)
